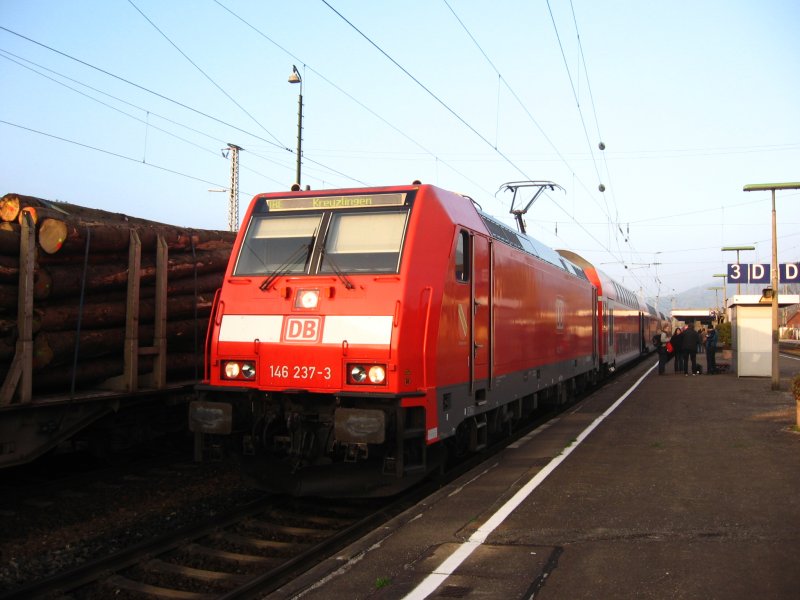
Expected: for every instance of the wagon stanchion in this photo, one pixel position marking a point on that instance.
(130, 380)
(131, 373)
(80, 313)
(19, 379)
(158, 377)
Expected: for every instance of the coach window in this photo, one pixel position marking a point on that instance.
(462, 256)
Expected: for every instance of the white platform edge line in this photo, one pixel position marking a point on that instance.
(452, 562)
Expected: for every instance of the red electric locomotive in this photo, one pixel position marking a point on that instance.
(361, 334)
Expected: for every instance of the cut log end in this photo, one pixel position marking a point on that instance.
(9, 208)
(52, 234)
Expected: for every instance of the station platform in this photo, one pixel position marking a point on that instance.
(683, 487)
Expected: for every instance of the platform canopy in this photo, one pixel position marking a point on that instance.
(689, 315)
(758, 299)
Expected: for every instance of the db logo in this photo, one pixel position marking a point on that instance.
(561, 312)
(302, 329)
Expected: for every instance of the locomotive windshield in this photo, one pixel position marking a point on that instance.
(277, 243)
(368, 242)
(342, 234)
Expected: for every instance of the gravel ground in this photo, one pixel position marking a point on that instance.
(62, 529)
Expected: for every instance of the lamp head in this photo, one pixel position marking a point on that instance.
(735, 248)
(295, 76)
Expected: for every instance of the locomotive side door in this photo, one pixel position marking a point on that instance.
(480, 313)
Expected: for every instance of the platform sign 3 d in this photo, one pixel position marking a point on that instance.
(760, 273)
(747, 273)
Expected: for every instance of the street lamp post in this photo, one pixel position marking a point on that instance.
(724, 293)
(737, 249)
(763, 187)
(295, 78)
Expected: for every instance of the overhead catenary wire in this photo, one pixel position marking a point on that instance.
(441, 102)
(170, 100)
(522, 104)
(575, 96)
(109, 152)
(143, 88)
(96, 90)
(613, 223)
(185, 106)
(321, 76)
(3, 54)
(610, 186)
(601, 145)
(448, 108)
(17, 60)
(206, 75)
(250, 45)
(535, 122)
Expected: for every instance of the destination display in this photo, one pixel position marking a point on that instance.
(760, 273)
(335, 202)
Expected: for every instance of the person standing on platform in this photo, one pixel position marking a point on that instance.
(690, 341)
(676, 341)
(663, 354)
(711, 350)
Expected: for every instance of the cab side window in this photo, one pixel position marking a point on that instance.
(462, 256)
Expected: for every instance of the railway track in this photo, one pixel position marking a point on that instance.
(249, 550)
(790, 347)
(240, 553)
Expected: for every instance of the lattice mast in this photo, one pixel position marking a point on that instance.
(233, 203)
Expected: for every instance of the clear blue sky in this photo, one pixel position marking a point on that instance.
(692, 100)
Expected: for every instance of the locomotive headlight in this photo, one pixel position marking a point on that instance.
(234, 369)
(307, 299)
(358, 374)
(377, 374)
(366, 374)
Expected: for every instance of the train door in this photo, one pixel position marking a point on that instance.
(480, 313)
(643, 334)
(455, 360)
(595, 326)
(612, 352)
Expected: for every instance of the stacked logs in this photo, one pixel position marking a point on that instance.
(63, 267)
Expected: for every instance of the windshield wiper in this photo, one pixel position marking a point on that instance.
(339, 273)
(285, 267)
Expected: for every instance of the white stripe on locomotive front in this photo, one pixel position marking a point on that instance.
(356, 330)
(373, 330)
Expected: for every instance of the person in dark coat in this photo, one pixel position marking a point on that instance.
(689, 344)
(661, 347)
(711, 350)
(676, 340)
